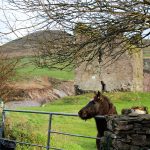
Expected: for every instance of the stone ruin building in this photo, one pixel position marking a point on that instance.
(125, 74)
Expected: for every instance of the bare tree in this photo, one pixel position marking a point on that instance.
(92, 29)
(7, 72)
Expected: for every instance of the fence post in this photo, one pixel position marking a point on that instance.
(49, 132)
(3, 123)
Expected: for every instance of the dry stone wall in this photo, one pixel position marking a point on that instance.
(129, 132)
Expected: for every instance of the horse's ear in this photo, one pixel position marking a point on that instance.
(98, 94)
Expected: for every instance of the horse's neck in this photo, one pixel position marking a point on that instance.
(101, 125)
(112, 110)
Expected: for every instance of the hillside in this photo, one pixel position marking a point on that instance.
(27, 45)
(30, 78)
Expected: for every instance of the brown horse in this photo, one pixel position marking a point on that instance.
(100, 105)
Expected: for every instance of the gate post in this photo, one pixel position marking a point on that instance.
(3, 118)
(49, 132)
(3, 124)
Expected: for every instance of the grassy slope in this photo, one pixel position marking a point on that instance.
(146, 52)
(37, 124)
(28, 69)
(146, 55)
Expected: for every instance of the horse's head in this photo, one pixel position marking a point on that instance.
(99, 105)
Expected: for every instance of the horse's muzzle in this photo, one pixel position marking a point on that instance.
(82, 114)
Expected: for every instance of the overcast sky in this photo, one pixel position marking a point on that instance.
(11, 20)
(16, 20)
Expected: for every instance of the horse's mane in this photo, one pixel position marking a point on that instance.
(105, 98)
(112, 108)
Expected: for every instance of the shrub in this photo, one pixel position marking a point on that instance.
(23, 131)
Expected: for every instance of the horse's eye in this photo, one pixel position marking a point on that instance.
(93, 102)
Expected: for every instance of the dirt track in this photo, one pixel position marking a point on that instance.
(38, 91)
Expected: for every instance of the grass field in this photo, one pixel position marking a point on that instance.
(146, 52)
(33, 128)
(146, 55)
(27, 69)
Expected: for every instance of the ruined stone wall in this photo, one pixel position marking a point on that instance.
(146, 80)
(126, 74)
(137, 65)
(146, 64)
(130, 132)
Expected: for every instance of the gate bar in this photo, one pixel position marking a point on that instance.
(47, 113)
(40, 112)
(76, 135)
(3, 124)
(25, 143)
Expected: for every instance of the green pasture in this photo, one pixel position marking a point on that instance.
(33, 128)
(27, 69)
(146, 55)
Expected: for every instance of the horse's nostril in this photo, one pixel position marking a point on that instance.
(82, 114)
(79, 113)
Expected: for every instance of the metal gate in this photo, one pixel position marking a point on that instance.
(49, 131)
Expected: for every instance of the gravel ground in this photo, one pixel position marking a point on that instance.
(25, 103)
